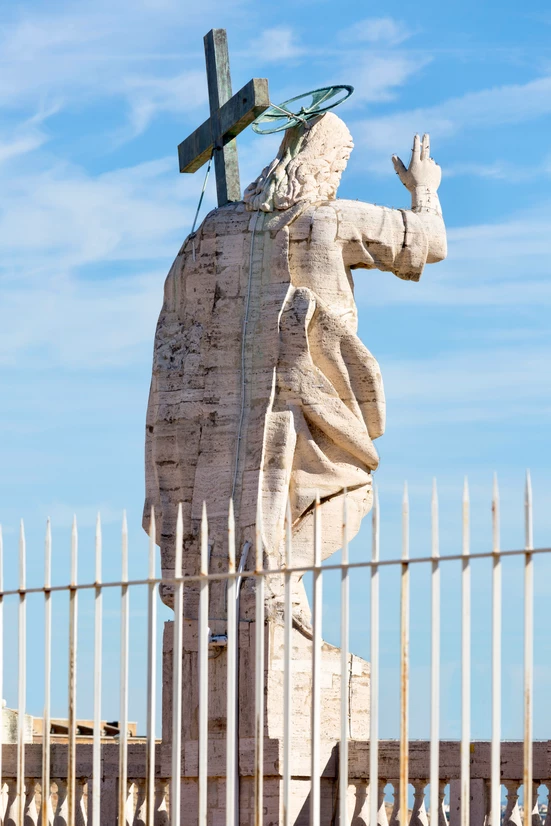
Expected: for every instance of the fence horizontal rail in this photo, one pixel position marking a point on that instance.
(269, 572)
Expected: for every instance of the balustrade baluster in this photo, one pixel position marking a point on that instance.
(61, 809)
(488, 802)
(140, 816)
(3, 801)
(161, 811)
(81, 817)
(547, 821)
(536, 817)
(30, 812)
(442, 819)
(512, 812)
(382, 819)
(131, 808)
(12, 804)
(49, 807)
(419, 813)
(397, 818)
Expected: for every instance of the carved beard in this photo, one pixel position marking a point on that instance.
(308, 166)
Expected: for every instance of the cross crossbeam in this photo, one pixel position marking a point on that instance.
(229, 115)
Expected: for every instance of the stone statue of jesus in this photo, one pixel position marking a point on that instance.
(261, 389)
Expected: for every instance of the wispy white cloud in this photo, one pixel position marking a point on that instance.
(149, 97)
(74, 286)
(77, 56)
(469, 385)
(378, 31)
(484, 109)
(277, 43)
(378, 77)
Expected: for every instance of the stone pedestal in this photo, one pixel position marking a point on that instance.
(358, 691)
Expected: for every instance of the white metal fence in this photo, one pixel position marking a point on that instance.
(140, 781)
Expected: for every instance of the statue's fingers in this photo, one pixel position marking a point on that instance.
(416, 151)
(425, 147)
(398, 166)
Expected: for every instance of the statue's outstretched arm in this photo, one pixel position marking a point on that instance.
(422, 178)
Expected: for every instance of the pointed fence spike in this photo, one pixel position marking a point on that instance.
(317, 531)
(405, 522)
(495, 515)
(528, 490)
(288, 533)
(231, 540)
(179, 542)
(465, 516)
(22, 551)
(259, 549)
(124, 546)
(152, 538)
(434, 521)
(204, 541)
(528, 514)
(375, 525)
(74, 550)
(48, 554)
(344, 553)
(98, 547)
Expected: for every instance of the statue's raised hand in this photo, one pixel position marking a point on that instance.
(422, 170)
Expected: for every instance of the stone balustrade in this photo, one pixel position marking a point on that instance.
(419, 757)
(135, 814)
(419, 752)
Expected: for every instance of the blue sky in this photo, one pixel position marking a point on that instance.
(95, 97)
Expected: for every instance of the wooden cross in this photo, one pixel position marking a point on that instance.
(228, 117)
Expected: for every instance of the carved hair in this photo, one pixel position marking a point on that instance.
(308, 166)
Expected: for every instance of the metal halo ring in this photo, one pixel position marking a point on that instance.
(276, 114)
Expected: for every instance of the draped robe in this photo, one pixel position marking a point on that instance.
(261, 388)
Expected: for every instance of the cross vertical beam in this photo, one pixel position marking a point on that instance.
(226, 165)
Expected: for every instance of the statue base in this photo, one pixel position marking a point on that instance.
(358, 692)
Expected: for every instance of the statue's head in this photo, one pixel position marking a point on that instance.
(308, 166)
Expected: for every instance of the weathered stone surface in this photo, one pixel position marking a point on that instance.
(261, 388)
(357, 688)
